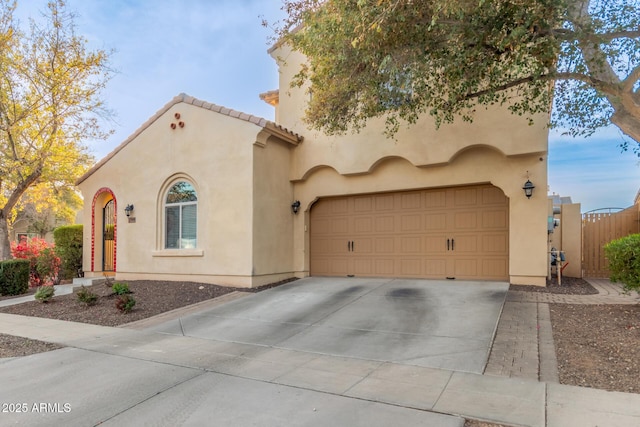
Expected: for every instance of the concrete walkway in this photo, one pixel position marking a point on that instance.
(196, 376)
(60, 290)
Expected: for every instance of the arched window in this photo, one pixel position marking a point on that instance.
(181, 216)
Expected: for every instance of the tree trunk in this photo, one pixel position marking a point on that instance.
(5, 246)
(627, 123)
(626, 105)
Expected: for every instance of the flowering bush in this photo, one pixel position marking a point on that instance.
(45, 264)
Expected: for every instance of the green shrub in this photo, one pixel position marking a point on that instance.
(120, 288)
(624, 261)
(45, 293)
(125, 303)
(68, 241)
(14, 276)
(86, 297)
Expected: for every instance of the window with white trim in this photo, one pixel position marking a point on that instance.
(181, 216)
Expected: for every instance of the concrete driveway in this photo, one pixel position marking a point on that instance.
(439, 324)
(314, 352)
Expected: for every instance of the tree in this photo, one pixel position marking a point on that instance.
(50, 88)
(404, 58)
(46, 206)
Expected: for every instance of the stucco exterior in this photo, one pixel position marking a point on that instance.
(247, 172)
(215, 152)
(497, 148)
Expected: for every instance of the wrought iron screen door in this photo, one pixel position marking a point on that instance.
(108, 233)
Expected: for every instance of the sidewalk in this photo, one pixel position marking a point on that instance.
(496, 399)
(60, 290)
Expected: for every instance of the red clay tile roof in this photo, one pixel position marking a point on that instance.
(277, 129)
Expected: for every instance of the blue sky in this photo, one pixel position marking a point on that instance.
(215, 50)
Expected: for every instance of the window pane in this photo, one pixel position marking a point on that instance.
(189, 226)
(173, 227)
(181, 192)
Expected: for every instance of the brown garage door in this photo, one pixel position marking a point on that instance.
(460, 232)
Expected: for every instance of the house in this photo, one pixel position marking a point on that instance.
(204, 193)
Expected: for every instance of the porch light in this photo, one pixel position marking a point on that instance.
(128, 210)
(528, 189)
(295, 206)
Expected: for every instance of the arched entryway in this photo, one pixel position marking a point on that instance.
(104, 231)
(108, 236)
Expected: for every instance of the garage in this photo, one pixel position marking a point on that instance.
(456, 233)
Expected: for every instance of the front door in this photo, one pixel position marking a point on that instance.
(108, 233)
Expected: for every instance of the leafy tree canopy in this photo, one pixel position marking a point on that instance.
(405, 58)
(50, 103)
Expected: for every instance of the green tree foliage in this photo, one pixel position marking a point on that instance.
(402, 59)
(46, 206)
(50, 103)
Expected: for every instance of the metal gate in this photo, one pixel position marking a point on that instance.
(598, 229)
(109, 235)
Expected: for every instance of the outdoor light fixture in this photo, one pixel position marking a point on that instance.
(128, 210)
(528, 188)
(295, 206)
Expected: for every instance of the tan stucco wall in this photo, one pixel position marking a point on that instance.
(272, 215)
(498, 148)
(215, 151)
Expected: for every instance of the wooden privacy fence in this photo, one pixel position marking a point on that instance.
(598, 229)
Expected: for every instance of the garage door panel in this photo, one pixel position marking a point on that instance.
(338, 267)
(411, 267)
(411, 245)
(339, 226)
(465, 197)
(338, 246)
(363, 266)
(363, 246)
(339, 206)
(493, 196)
(385, 224)
(385, 245)
(411, 201)
(435, 199)
(435, 268)
(363, 204)
(464, 244)
(495, 219)
(495, 243)
(465, 268)
(495, 268)
(384, 267)
(435, 243)
(405, 234)
(466, 220)
(435, 222)
(411, 223)
(363, 224)
(384, 203)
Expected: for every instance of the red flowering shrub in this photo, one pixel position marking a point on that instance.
(45, 264)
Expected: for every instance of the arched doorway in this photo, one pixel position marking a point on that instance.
(104, 231)
(108, 236)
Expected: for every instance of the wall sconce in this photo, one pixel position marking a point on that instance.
(295, 206)
(528, 189)
(128, 210)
